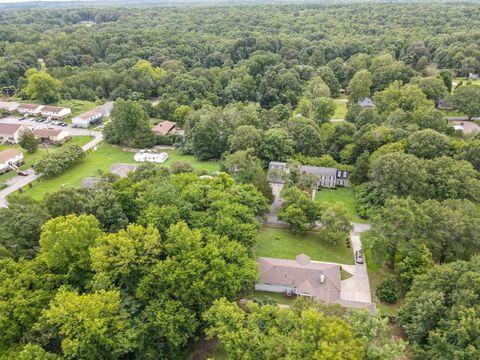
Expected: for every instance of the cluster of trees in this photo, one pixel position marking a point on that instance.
(307, 330)
(126, 269)
(58, 161)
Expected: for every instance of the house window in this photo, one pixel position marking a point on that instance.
(344, 174)
(339, 173)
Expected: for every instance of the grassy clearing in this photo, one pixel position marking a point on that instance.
(100, 161)
(208, 349)
(281, 243)
(375, 275)
(345, 196)
(78, 106)
(40, 153)
(278, 297)
(208, 166)
(341, 110)
(465, 81)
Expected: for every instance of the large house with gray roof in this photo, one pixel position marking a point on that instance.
(300, 277)
(325, 177)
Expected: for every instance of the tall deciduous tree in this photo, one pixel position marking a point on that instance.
(467, 99)
(28, 141)
(42, 86)
(92, 326)
(360, 85)
(64, 245)
(129, 125)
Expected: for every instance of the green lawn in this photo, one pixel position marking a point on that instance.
(281, 243)
(278, 297)
(473, 82)
(78, 106)
(375, 275)
(41, 152)
(100, 161)
(346, 196)
(208, 166)
(341, 109)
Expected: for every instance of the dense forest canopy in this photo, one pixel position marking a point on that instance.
(144, 266)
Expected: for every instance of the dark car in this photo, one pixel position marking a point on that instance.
(22, 173)
(359, 259)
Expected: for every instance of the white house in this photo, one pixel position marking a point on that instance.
(9, 133)
(147, 156)
(87, 118)
(29, 109)
(51, 135)
(55, 112)
(10, 159)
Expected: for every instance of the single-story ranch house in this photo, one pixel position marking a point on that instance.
(326, 177)
(304, 277)
(300, 277)
(9, 133)
(51, 135)
(10, 159)
(87, 118)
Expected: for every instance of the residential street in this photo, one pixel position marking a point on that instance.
(18, 182)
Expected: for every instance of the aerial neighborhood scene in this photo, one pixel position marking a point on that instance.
(244, 180)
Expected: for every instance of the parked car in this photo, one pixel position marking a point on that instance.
(359, 259)
(22, 173)
(21, 119)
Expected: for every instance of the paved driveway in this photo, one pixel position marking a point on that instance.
(18, 182)
(277, 202)
(357, 288)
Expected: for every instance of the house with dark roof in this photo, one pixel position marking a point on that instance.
(324, 176)
(366, 103)
(10, 133)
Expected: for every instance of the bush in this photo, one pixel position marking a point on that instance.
(178, 167)
(59, 161)
(163, 140)
(388, 291)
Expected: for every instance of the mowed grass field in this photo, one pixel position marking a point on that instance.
(78, 106)
(281, 243)
(345, 196)
(100, 161)
(341, 110)
(41, 152)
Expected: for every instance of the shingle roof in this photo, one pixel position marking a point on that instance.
(54, 109)
(46, 132)
(28, 106)
(316, 170)
(88, 114)
(164, 127)
(304, 275)
(9, 129)
(122, 170)
(8, 154)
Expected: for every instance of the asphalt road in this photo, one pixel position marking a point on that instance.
(18, 182)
